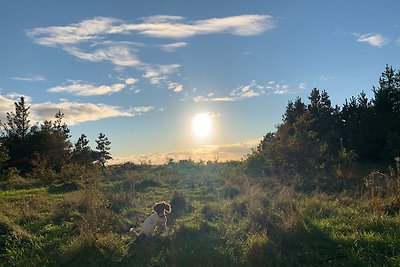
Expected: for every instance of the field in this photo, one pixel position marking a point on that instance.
(220, 217)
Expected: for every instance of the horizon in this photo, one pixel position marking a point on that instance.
(141, 73)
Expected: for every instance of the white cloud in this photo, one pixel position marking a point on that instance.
(176, 87)
(242, 92)
(253, 89)
(86, 30)
(159, 75)
(223, 153)
(326, 77)
(131, 81)
(80, 89)
(30, 78)
(75, 112)
(302, 86)
(373, 39)
(82, 39)
(249, 90)
(121, 54)
(172, 47)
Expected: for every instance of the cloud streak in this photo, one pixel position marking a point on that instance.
(373, 39)
(172, 47)
(30, 78)
(80, 89)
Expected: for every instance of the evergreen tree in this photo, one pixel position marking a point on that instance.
(102, 153)
(82, 153)
(15, 135)
(17, 125)
(386, 107)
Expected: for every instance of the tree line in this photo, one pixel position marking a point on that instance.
(318, 141)
(45, 149)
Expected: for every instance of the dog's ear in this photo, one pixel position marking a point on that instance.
(167, 207)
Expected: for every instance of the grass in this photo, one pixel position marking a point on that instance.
(220, 217)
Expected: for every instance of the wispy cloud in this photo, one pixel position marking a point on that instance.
(29, 78)
(326, 77)
(373, 39)
(81, 89)
(87, 40)
(172, 47)
(159, 75)
(253, 89)
(235, 151)
(122, 54)
(131, 81)
(176, 87)
(278, 88)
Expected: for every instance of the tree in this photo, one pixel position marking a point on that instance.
(17, 125)
(102, 153)
(82, 153)
(15, 135)
(386, 107)
(50, 143)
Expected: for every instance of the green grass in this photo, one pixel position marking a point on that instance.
(220, 217)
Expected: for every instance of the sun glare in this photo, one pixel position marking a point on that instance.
(202, 125)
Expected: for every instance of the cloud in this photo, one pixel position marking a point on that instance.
(172, 47)
(176, 87)
(253, 89)
(249, 90)
(242, 92)
(131, 81)
(242, 25)
(87, 40)
(159, 75)
(75, 112)
(326, 77)
(278, 89)
(80, 89)
(30, 78)
(6, 105)
(87, 30)
(122, 54)
(226, 152)
(373, 39)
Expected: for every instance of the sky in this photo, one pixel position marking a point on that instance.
(140, 71)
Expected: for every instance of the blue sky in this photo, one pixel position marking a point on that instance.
(139, 71)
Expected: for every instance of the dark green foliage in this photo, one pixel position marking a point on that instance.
(323, 142)
(102, 154)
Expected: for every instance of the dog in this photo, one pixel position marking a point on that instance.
(158, 217)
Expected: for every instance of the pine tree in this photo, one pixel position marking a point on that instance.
(82, 153)
(103, 154)
(17, 125)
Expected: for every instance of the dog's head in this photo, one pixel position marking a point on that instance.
(162, 208)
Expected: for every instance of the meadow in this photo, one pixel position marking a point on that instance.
(221, 216)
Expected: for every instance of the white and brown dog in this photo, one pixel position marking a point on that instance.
(158, 217)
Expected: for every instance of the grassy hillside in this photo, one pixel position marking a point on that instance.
(220, 217)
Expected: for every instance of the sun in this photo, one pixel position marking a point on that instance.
(202, 125)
